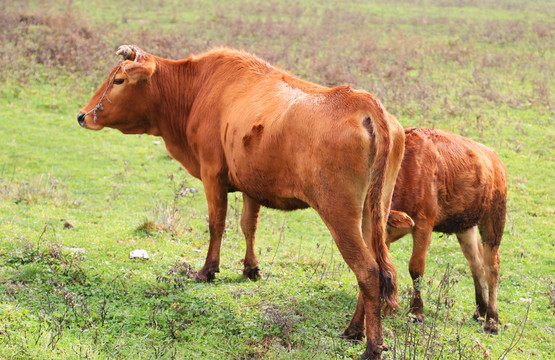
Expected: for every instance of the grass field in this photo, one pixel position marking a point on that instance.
(74, 203)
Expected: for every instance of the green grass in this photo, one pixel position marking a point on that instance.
(484, 70)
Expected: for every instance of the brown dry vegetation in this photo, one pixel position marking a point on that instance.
(431, 68)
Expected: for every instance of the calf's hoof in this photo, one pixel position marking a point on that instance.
(416, 318)
(490, 327)
(479, 315)
(374, 353)
(417, 310)
(252, 273)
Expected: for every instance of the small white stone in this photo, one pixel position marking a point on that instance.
(186, 191)
(138, 254)
(75, 250)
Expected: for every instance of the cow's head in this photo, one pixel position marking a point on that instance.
(122, 100)
(398, 224)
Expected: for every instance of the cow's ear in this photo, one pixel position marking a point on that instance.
(137, 71)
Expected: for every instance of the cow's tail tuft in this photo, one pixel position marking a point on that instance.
(380, 130)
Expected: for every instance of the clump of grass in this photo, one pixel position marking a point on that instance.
(281, 317)
(34, 261)
(176, 276)
(551, 294)
(166, 216)
(33, 191)
(163, 216)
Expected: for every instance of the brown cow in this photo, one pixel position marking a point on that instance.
(241, 124)
(450, 184)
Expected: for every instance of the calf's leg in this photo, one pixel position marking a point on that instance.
(472, 250)
(249, 223)
(355, 330)
(421, 238)
(491, 231)
(491, 257)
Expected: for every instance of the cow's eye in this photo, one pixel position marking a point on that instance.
(118, 81)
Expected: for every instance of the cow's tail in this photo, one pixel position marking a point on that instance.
(382, 169)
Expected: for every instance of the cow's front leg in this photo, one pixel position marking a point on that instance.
(249, 222)
(216, 196)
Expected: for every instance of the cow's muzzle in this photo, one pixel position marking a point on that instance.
(81, 119)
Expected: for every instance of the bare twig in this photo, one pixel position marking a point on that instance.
(280, 240)
(515, 340)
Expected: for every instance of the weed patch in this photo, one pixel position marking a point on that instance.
(39, 189)
(165, 216)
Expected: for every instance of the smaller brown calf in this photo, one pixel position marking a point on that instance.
(450, 184)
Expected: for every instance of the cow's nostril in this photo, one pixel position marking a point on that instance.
(81, 118)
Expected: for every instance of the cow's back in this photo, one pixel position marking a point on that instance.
(283, 138)
(447, 179)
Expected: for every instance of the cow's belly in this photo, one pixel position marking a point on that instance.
(268, 184)
(274, 173)
(280, 203)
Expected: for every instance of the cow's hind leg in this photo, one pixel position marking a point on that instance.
(421, 238)
(216, 196)
(345, 227)
(472, 250)
(355, 330)
(249, 222)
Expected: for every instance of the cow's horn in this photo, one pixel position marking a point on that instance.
(128, 52)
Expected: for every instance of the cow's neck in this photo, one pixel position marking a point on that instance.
(180, 86)
(191, 98)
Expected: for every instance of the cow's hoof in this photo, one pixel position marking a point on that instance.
(252, 273)
(353, 334)
(206, 275)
